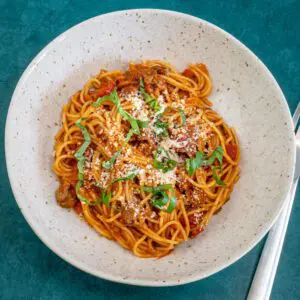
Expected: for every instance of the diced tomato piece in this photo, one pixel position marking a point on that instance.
(188, 73)
(203, 68)
(195, 219)
(148, 88)
(195, 232)
(231, 151)
(106, 88)
(78, 208)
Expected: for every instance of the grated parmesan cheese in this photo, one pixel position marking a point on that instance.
(127, 170)
(140, 110)
(104, 178)
(167, 144)
(153, 177)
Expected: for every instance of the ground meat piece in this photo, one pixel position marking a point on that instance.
(66, 195)
(194, 197)
(146, 149)
(182, 183)
(195, 231)
(128, 216)
(78, 208)
(161, 70)
(147, 139)
(130, 212)
(195, 220)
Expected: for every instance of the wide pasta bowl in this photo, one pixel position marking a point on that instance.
(244, 93)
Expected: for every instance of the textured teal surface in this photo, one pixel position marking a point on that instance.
(28, 269)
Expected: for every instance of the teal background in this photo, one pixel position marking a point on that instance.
(28, 269)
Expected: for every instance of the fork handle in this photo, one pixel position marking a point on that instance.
(262, 283)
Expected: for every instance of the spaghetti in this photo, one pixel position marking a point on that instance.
(143, 158)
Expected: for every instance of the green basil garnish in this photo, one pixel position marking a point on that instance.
(163, 187)
(192, 164)
(79, 155)
(113, 97)
(153, 102)
(161, 198)
(216, 177)
(82, 199)
(129, 135)
(217, 154)
(105, 198)
(162, 160)
(160, 128)
(129, 177)
(133, 122)
(110, 163)
(200, 160)
(183, 118)
(142, 124)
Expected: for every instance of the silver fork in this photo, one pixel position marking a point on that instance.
(263, 280)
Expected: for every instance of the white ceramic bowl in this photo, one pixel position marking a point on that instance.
(245, 94)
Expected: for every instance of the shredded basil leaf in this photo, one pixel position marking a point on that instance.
(172, 204)
(163, 187)
(215, 175)
(162, 160)
(200, 160)
(110, 163)
(113, 97)
(133, 122)
(136, 124)
(217, 154)
(161, 198)
(129, 177)
(142, 124)
(183, 118)
(192, 164)
(129, 135)
(160, 128)
(105, 198)
(87, 139)
(153, 102)
(79, 155)
(81, 198)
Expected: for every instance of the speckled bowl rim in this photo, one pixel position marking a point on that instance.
(47, 241)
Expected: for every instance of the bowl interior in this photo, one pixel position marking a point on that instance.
(244, 93)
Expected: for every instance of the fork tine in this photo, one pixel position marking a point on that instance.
(296, 116)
